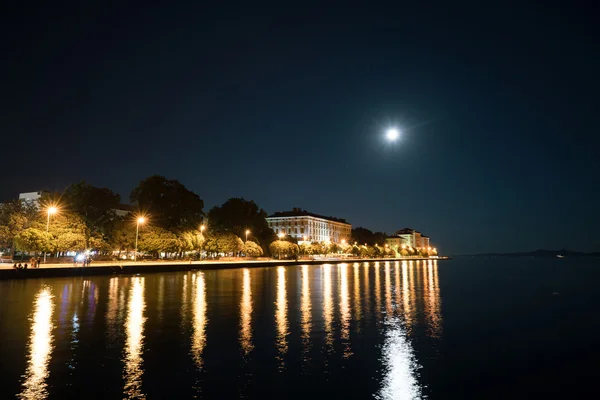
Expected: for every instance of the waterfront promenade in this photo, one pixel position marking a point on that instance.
(129, 267)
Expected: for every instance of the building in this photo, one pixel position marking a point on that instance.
(32, 198)
(409, 238)
(305, 226)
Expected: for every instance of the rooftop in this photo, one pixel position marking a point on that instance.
(297, 212)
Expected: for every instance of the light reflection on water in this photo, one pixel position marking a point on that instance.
(200, 320)
(281, 316)
(134, 327)
(246, 314)
(40, 346)
(389, 309)
(345, 311)
(306, 311)
(327, 308)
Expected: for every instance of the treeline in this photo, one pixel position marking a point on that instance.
(174, 225)
(88, 218)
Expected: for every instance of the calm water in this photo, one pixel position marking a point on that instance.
(466, 328)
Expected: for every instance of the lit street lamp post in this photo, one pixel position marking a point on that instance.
(247, 232)
(51, 210)
(140, 220)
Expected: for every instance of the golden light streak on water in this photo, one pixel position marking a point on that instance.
(406, 303)
(306, 313)
(327, 307)
(40, 347)
(345, 310)
(281, 316)
(367, 291)
(434, 315)
(246, 314)
(398, 287)
(134, 345)
(377, 292)
(357, 302)
(200, 319)
(388, 291)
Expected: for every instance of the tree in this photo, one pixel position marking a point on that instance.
(68, 233)
(251, 249)
(122, 236)
(305, 248)
(362, 236)
(404, 252)
(33, 240)
(379, 238)
(96, 206)
(355, 250)
(237, 215)
(229, 243)
(155, 240)
(389, 252)
(282, 248)
(170, 204)
(434, 252)
(15, 216)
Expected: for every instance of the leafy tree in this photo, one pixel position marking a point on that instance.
(281, 248)
(404, 252)
(229, 243)
(15, 216)
(96, 206)
(374, 251)
(355, 250)
(251, 249)
(317, 248)
(170, 204)
(68, 233)
(362, 236)
(122, 236)
(305, 248)
(389, 252)
(155, 240)
(237, 215)
(33, 240)
(379, 238)
(434, 252)
(423, 252)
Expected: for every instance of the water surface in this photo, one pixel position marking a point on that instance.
(470, 328)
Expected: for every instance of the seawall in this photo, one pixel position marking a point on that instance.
(129, 269)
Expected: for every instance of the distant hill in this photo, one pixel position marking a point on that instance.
(538, 253)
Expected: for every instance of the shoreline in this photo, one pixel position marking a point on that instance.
(144, 267)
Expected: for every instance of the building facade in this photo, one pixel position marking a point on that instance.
(305, 226)
(408, 238)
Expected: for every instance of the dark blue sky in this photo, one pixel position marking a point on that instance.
(286, 105)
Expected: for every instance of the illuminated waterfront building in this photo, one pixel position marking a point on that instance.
(305, 226)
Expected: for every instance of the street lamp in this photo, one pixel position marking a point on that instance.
(247, 232)
(140, 220)
(50, 211)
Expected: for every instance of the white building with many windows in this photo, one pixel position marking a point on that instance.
(305, 226)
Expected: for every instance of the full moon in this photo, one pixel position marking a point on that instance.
(392, 134)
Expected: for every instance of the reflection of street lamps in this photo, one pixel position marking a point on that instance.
(247, 232)
(50, 211)
(140, 220)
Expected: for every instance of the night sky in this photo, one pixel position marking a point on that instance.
(287, 105)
